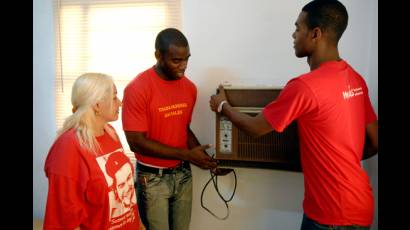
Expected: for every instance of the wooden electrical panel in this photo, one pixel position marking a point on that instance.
(273, 150)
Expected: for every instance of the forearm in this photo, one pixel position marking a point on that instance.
(368, 153)
(138, 142)
(156, 149)
(243, 121)
(371, 146)
(369, 149)
(192, 141)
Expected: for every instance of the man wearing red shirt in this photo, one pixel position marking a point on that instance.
(156, 116)
(335, 119)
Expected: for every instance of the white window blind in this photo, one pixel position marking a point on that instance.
(116, 37)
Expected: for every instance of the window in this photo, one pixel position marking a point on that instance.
(115, 37)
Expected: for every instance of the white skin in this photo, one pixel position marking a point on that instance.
(105, 113)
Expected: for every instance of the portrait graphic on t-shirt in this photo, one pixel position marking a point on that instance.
(119, 171)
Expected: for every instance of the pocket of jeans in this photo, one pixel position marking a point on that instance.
(147, 179)
(186, 176)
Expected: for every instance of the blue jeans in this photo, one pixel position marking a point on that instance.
(165, 200)
(309, 224)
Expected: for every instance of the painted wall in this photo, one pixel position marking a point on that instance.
(44, 128)
(242, 42)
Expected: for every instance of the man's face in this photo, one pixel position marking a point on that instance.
(125, 184)
(174, 62)
(302, 37)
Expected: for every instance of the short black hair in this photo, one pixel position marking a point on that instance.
(169, 36)
(328, 15)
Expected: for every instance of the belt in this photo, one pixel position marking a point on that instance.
(144, 168)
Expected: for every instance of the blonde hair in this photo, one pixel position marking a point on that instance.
(88, 89)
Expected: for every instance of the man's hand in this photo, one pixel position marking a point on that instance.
(217, 99)
(200, 158)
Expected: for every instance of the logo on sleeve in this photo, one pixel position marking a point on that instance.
(349, 93)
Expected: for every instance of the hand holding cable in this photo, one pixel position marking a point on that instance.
(200, 158)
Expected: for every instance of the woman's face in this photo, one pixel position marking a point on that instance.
(108, 112)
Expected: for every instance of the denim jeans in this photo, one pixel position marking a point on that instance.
(309, 224)
(165, 201)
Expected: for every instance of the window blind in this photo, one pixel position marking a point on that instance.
(115, 37)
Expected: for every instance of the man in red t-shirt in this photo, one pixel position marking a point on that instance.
(156, 116)
(336, 123)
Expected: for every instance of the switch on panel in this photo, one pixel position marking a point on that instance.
(225, 135)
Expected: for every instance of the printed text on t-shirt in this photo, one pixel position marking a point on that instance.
(173, 110)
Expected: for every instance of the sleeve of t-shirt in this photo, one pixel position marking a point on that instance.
(295, 99)
(67, 182)
(64, 209)
(134, 110)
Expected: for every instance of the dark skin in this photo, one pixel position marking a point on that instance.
(319, 47)
(371, 146)
(171, 66)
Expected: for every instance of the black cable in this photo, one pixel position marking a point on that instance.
(215, 182)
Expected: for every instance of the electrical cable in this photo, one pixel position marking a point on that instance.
(214, 178)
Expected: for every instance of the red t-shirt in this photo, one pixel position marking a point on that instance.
(332, 108)
(81, 190)
(162, 109)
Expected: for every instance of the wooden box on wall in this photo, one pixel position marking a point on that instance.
(273, 150)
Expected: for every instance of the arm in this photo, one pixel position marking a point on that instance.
(192, 140)
(371, 146)
(199, 153)
(254, 126)
(67, 192)
(138, 142)
(64, 207)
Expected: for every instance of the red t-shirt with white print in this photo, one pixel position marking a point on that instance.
(82, 193)
(162, 109)
(332, 108)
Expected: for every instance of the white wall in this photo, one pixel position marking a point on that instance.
(243, 42)
(44, 128)
(371, 165)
